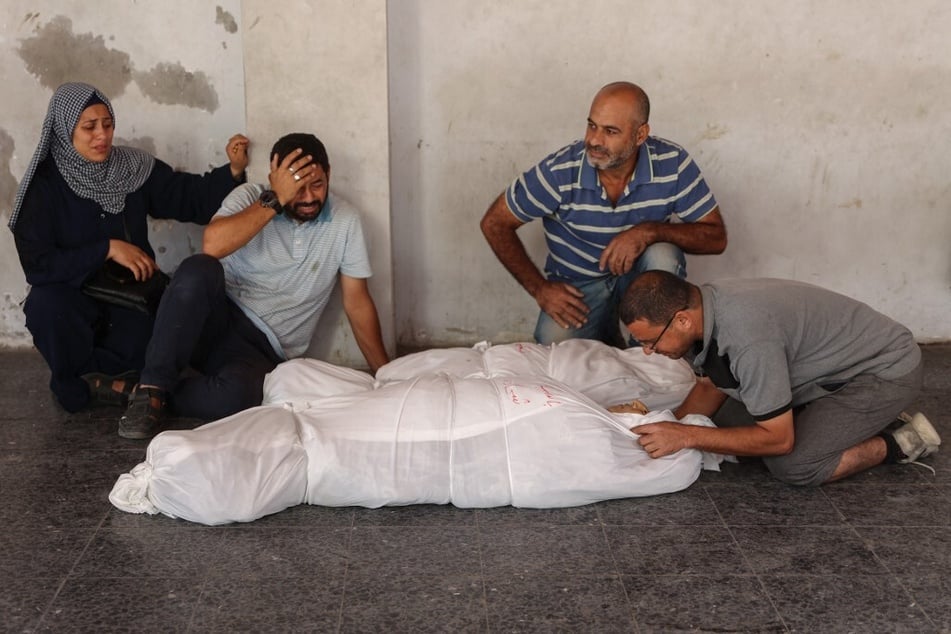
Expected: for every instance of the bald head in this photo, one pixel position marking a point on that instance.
(632, 95)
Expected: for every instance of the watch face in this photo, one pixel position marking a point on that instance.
(269, 199)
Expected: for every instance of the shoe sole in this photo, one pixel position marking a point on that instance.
(927, 432)
(133, 434)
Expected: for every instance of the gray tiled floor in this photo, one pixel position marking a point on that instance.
(735, 552)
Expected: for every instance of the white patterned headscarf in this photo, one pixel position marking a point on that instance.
(106, 182)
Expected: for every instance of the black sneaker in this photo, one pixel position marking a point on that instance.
(147, 407)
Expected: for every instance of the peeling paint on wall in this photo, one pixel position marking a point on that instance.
(56, 55)
(13, 330)
(173, 84)
(8, 184)
(225, 19)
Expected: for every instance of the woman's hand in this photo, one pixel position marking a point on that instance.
(133, 258)
(237, 151)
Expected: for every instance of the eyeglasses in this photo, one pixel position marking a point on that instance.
(652, 345)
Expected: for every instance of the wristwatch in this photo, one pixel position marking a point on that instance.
(269, 199)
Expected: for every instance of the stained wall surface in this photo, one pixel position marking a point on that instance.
(173, 72)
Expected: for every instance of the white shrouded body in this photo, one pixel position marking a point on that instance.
(505, 425)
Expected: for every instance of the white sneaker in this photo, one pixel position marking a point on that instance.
(917, 438)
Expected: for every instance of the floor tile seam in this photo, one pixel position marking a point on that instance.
(251, 527)
(515, 525)
(778, 617)
(741, 482)
(786, 525)
(161, 529)
(345, 581)
(745, 559)
(690, 575)
(606, 574)
(256, 526)
(208, 575)
(480, 538)
(716, 508)
(617, 575)
(760, 581)
(49, 605)
(57, 451)
(743, 556)
(486, 621)
(657, 525)
(89, 542)
(825, 494)
(473, 531)
(66, 578)
(884, 574)
(918, 604)
(10, 575)
(46, 526)
(138, 577)
(189, 627)
(931, 527)
(752, 574)
(36, 451)
(882, 561)
(616, 570)
(924, 481)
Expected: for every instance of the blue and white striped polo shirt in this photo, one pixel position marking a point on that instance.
(579, 220)
(283, 277)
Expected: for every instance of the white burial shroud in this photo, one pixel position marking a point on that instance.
(516, 424)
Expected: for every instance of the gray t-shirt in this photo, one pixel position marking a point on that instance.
(775, 344)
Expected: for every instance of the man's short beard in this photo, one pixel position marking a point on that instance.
(610, 161)
(293, 213)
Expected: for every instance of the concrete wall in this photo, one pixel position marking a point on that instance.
(321, 67)
(819, 126)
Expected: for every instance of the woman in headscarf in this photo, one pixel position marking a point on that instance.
(82, 202)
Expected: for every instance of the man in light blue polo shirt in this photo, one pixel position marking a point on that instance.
(616, 204)
(272, 256)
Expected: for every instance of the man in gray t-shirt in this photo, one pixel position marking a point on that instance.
(807, 378)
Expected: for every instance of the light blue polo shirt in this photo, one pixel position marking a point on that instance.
(283, 277)
(578, 217)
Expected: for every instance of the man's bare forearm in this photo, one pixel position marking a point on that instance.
(706, 237)
(499, 226)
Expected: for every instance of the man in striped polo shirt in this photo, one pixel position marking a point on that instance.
(616, 204)
(272, 256)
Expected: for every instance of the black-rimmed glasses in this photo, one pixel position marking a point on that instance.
(652, 345)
